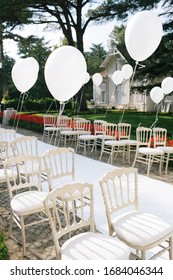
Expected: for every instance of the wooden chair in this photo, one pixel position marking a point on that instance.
(109, 133)
(8, 135)
(63, 123)
(81, 126)
(25, 145)
(110, 144)
(75, 214)
(160, 139)
(49, 124)
(141, 231)
(59, 164)
(124, 134)
(26, 196)
(3, 156)
(3, 151)
(144, 153)
(28, 145)
(90, 141)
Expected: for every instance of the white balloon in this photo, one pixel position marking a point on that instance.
(117, 77)
(156, 94)
(97, 79)
(167, 85)
(143, 35)
(25, 73)
(65, 71)
(87, 78)
(127, 71)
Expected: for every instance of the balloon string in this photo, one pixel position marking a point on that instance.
(50, 106)
(80, 102)
(156, 118)
(131, 82)
(15, 117)
(24, 96)
(55, 132)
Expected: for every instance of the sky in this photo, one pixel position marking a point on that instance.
(95, 34)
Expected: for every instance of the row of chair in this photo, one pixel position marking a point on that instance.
(113, 139)
(73, 203)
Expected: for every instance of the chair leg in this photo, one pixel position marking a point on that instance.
(160, 165)
(166, 166)
(171, 248)
(143, 255)
(134, 162)
(23, 236)
(85, 144)
(102, 148)
(149, 166)
(10, 226)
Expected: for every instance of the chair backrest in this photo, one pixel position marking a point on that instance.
(119, 191)
(159, 136)
(59, 162)
(99, 126)
(49, 120)
(110, 129)
(82, 125)
(26, 145)
(19, 168)
(3, 151)
(143, 136)
(75, 210)
(7, 135)
(124, 131)
(63, 121)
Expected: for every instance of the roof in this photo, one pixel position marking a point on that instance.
(116, 52)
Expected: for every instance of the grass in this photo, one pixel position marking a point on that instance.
(134, 118)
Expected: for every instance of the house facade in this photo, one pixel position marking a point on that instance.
(119, 96)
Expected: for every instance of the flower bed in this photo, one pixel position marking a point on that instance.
(31, 122)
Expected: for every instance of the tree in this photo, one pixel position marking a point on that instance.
(74, 16)
(71, 16)
(12, 14)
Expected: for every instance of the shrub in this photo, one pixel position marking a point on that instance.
(4, 254)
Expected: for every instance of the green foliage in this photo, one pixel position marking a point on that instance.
(37, 105)
(4, 255)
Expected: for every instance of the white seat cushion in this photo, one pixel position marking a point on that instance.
(166, 150)
(130, 141)
(141, 229)
(68, 132)
(28, 201)
(94, 246)
(87, 137)
(102, 136)
(151, 151)
(114, 143)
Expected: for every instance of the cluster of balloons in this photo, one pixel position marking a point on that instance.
(65, 73)
(124, 74)
(158, 93)
(143, 35)
(66, 69)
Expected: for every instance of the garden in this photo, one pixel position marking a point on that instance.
(34, 121)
